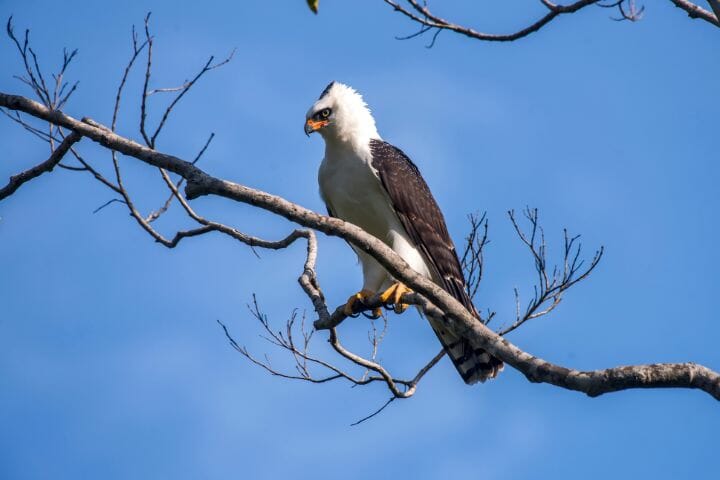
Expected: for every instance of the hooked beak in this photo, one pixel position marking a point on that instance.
(314, 125)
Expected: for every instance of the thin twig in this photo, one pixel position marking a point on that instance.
(472, 260)
(16, 181)
(548, 292)
(374, 413)
(109, 202)
(154, 215)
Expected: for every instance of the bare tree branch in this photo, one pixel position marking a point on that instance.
(206, 68)
(165, 206)
(376, 412)
(148, 67)
(85, 166)
(17, 118)
(593, 383)
(108, 203)
(631, 13)
(472, 260)
(695, 11)
(301, 354)
(183, 89)
(431, 299)
(551, 285)
(715, 5)
(119, 187)
(420, 13)
(17, 180)
(36, 80)
(302, 357)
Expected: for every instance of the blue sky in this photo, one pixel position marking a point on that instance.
(113, 366)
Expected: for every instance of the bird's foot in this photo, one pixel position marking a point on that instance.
(393, 295)
(361, 296)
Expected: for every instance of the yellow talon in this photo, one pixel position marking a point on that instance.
(393, 295)
(361, 297)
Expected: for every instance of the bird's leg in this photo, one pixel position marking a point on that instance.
(393, 295)
(361, 296)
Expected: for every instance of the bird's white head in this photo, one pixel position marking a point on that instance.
(341, 115)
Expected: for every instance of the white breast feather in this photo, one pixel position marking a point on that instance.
(353, 192)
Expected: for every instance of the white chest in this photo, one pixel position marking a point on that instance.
(354, 192)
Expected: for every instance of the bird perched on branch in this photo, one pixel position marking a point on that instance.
(374, 185)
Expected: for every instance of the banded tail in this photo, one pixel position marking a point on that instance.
(473, 364)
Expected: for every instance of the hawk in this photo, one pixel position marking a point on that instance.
(374, 185)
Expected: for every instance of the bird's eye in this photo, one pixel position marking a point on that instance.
(325, 113)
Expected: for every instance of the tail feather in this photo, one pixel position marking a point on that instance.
(473, 364)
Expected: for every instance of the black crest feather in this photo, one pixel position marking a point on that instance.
(327, 89)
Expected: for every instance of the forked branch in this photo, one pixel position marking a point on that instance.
(303, 358)
(472, 259)
(551, 285)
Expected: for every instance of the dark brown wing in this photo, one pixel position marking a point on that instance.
(420, 215)
(424, 222)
